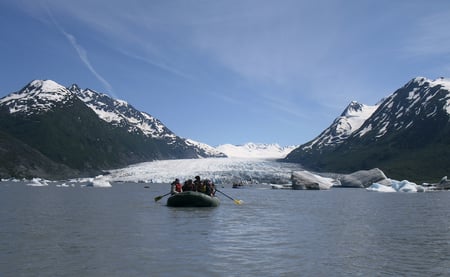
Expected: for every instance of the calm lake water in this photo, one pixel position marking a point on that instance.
(121, 231)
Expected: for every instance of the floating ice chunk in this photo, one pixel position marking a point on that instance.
(101, 184)
(380, 188)
(302, 180)
(397, 186)
(37, 182)
(364, 178)
(98, 182)
(63, 185)
(404, 186)
(420, 188)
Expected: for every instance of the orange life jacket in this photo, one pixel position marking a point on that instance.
(178, 187)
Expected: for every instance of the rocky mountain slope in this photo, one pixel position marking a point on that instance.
(407, 135)
(85, 131)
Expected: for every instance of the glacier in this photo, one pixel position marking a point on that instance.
(224, 171)
(220, 170)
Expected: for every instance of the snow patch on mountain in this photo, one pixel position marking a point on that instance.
(444, 83)
(41, 96)
(255, 150)
(120, 113)
(348, 122)
(37, 97)
(209, 150)
(353, 117)
(48, 86)
(419, 98)
(447, 106)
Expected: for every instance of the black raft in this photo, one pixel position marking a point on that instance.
(192, 199)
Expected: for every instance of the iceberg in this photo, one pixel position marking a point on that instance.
(404, 186)
(64, 185)
(364, 178)
(444, 183)
(380, 188)
(37, 182)
(396, 186)
(98, 182)
(305, 180)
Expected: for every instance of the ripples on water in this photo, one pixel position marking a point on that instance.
(121, 231)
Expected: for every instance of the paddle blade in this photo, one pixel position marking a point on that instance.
(157, 198)
(238, 202)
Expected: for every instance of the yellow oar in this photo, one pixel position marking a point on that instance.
(157, 198)
(237, 202)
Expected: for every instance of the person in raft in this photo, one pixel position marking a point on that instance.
(198, 184)
(188, 185)
(176, 187)
(210, 188)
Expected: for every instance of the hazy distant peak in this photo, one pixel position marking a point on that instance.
(255, 150)
(209, 150)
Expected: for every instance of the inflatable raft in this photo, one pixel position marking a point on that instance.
(192, 199)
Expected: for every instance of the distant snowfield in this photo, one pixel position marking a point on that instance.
(255, 150)
(220, 170)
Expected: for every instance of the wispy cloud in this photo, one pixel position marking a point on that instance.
(154, 63)
(271, 43)
(82, 53)
(139, 30)
(318, 49)
(432, 36)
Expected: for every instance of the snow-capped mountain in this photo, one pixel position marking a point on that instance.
(405, 134)
(36, 98)
(122, 114)
(255, 150)
(208, 150)
(342, 127)
(87, 130)
(42, 95)
(418, 101)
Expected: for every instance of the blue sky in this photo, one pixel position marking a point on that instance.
(230, 71)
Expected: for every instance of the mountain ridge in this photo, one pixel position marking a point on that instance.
(70, 128)
(407, 135)
(351, 119)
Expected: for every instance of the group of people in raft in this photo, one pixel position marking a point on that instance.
(204, 186)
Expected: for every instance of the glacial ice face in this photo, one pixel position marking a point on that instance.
(220, 170)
